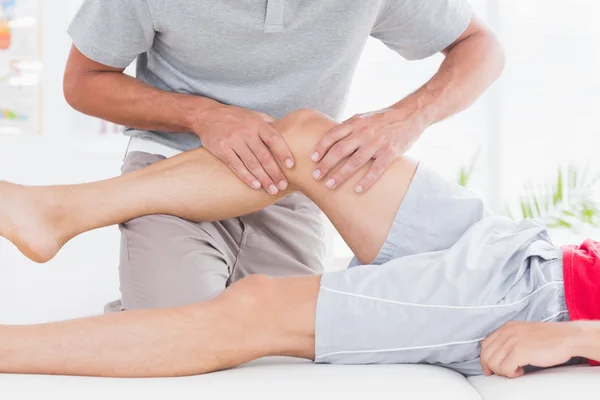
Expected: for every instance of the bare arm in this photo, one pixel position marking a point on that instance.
(241, 138)
(473, 62)
(105, 92)
(541, 344)
(585, 339)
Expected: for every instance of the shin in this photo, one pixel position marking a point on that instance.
(197, 186)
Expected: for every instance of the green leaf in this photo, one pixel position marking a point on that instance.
(466, 171)
(523, 209)
(565, 201)
(558, 194)
(562, 222)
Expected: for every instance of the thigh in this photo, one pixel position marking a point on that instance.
(434, 214)
(285, 239)
(436, 307)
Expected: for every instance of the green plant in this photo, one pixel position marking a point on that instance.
(565, 202)
(466, 171)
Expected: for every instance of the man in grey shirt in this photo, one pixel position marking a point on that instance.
(216, 74)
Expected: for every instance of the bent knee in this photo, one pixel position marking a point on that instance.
(304, 115)
(302, 130)
(252, 290)
(252, 295)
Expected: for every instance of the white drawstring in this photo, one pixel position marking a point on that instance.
(274, 17)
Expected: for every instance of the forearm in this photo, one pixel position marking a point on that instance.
(121, 99)
(584, 339)
(470, 67)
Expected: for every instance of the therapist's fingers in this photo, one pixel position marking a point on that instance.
(329, 140)
(269, 165)
(232, 160)
(255, 167)
(334, 157)
(379, 166)
(350, 167)
(275, 142)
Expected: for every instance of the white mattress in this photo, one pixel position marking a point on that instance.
(285, 378)
(574, 382)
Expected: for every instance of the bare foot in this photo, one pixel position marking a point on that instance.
(30, 218)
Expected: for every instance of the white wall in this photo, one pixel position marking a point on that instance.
(84, 276)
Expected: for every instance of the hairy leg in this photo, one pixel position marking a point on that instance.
(198, 187)
(256, 317)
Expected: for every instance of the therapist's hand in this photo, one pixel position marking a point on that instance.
(381, 135)
(247, 143)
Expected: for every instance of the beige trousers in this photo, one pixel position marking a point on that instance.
(167, 261)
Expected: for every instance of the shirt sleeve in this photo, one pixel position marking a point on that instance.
(113, 32)
(418, 29)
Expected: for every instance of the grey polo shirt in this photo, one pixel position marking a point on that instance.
(273, 56)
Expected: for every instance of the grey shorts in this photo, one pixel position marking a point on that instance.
(167, 261)
(448, 275)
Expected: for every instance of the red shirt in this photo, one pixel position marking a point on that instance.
(581, 267)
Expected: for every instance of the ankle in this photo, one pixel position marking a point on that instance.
(53, 201)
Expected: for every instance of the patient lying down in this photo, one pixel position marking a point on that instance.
(438, 279)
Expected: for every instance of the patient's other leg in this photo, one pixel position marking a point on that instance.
(198, 187)
(256, 317)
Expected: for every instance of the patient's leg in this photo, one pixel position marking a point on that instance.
(197, 186)
(256, 317)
